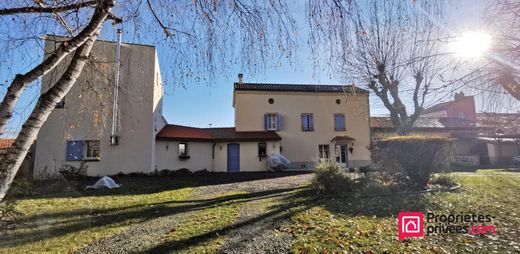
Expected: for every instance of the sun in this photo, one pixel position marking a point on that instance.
(471, 44)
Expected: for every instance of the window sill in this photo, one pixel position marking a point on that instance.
(184, 157)
(340, 130)
(91, 159)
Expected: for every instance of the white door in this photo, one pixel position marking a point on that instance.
(342, 155)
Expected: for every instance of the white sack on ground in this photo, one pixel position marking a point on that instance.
(104, 182)
(278, 161)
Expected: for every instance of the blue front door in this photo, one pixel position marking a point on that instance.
(233, 158)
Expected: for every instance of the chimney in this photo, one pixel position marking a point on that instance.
(240, 78)
(459, 96)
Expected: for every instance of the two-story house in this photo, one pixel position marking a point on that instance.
(314, 121)
(111, 122)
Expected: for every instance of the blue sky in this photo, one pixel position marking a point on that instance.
(204, 103)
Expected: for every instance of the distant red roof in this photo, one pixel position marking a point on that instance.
(6, 143)
(185, 133)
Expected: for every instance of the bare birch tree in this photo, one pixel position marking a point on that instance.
(210, 35)
(82, 44)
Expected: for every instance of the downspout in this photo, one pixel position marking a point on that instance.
(114, 139)
(213, 157)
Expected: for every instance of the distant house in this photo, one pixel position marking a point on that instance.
(107, 132)
(501, 134)
(462, 108)
(479, 138)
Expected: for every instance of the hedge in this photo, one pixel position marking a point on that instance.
(415, 156)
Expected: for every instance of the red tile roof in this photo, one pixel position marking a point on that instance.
(298, 88)
(185, 133)
(179, 132)
(6, 143)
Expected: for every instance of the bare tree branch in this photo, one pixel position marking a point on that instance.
(13, 158)
(47, 9)
(22, 80)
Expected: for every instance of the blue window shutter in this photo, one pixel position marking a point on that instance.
(339, 122)
(311, 123)
(265, 121)
(305, 125)
(74, 151)
(279, 123)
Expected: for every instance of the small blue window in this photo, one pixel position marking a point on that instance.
(339, 122)
(74, 151)
(307, 122)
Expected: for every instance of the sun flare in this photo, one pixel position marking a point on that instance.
(471, 44)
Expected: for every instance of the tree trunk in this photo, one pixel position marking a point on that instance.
(13, 158)
(507, 80)
(23, 80)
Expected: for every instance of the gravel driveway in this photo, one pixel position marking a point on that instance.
(254, 232)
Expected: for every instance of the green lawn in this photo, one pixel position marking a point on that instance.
(67, 221)
(56, 224)
(365, 225)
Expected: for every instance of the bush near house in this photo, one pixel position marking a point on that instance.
(331, 179)
(416, 157)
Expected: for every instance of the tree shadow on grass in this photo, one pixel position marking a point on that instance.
(140, 184)
(380, 206)
(291, 203)
(77, 220)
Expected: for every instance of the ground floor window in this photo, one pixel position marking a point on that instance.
(92, 149)
(77, 150)
(324, 151)
(262, 149)
(183, 149)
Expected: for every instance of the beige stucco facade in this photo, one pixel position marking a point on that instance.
(86, 118)
(301, 147)
(249, 159)
(212, 156)
(87, 113)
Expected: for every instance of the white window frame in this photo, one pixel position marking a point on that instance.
(461, 115)
(87, 147)
(185, 153)
(272, 121)
(321, 151)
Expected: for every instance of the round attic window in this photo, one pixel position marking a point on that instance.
(271, 100)
(338, 101)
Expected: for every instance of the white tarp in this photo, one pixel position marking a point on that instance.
(104, 182)
(278, 161)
